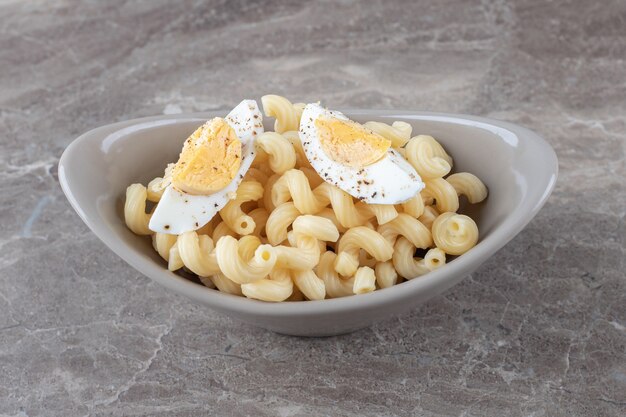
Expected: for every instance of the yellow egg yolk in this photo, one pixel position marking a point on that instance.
(209, 160)
(349, 143)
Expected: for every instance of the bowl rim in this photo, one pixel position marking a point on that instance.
(462, 265)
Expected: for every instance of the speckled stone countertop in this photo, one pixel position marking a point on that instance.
(539, 330)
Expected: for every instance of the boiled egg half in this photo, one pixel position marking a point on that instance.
(211, 165)
(356, 159)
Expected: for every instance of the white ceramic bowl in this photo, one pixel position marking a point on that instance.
(518, 167)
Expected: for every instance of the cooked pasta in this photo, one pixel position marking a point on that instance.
(398, 133)
(279, 221)
(197, 254)
(235, 268)
(286, 234)
(428, 157)
(278, 286)
(356, 238)
(294, 185)
(442, 193)
(429, 216)
(364, 280)
(294, 138)
(386, 275)
(335, 285)
(222, 229)
(287, 115)
(282, 155)
(308, 231)
(468, 185)
(454, 233)
(163, 243)
(135, 210)
(226, 285)
(310, 284)
(233, 215)
(384, 213)
(260, 216)
(414, 207)
(409, 227)
(405, 264)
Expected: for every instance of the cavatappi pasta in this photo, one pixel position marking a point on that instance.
(288, 235)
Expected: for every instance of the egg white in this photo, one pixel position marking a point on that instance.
(390, 180)
(178, 212)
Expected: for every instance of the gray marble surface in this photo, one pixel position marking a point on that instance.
(539, 330)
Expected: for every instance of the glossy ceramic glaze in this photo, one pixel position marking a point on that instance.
(517, 165)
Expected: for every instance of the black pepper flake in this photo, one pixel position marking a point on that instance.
(196, 224)
(167, 226)
(374, 194)
(215, 204)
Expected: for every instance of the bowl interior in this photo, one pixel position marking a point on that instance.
(518, 167)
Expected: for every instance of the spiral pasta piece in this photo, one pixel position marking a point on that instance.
(429, 216)
(409, 267)
(234, 267)
(197, 254)
(293, 136)
(308, 231)
(398, 132)
(310, 284)
(386, 275)
(282, 155)
(226, 285)
(443, 194)
(428, 157)
(357, 238)
(454, 233)
(255, 174)
(135, 214)
(364, 280)
(247, 246)
(409, 227)
(294, 185)
(162, 243)
(335, 285)
(174, 262)
(279, 221)
(341, 203)
(384, 213)
(468, 185)
(330, 215)
(260, 216)
(277, 287)
(222, 229)
(286, 114)
(414, 207)
(207, 282)
(268, 204)
(233, 215)
(435, 258)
